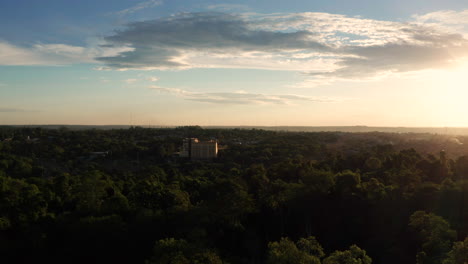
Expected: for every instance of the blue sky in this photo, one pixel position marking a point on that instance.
(179, 62)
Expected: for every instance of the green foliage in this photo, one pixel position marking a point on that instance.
(375, 190)
(458, 254)
(147, 194)
(70, 195)
(175, 198)
(91, 192)
(20, 202)
(435, 235)
(373, 163)
(230, 202)
(170, 250)
(179, 251)
(354, 255)
(348, 182)
(311, 246)
(318, 181)
(4, 223)
(118, 203)
(285, 251)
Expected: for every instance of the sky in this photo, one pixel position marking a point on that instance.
(234, 63)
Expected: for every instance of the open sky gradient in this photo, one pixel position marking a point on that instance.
(206, 62)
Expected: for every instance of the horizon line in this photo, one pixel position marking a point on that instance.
(194, 125)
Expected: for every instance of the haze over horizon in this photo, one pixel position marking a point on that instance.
(234, 63)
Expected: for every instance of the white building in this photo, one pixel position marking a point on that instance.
(195, 149)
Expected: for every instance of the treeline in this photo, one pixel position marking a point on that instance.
(123, 196)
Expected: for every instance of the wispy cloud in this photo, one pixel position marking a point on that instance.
(447, 20)
(103, 80)
(152, 79)
(228, 7)
(130, 81)
(13, 110)
(242, 97)
(139, 6)
(12, 55)
(53, 54)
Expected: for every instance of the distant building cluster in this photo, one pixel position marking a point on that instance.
(194, 149)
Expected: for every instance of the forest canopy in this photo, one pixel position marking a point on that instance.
(124, 196)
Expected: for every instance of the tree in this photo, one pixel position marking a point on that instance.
(434, 235)
(147, 194)
(230, 202)
(179, 251)
(317, 181)
(118, 203)
(373, 163)
(311, 246)
(374, 189)
(20, 201)
(354, 255)
(90, 192)
(285, 251)
(348, 182)
(458, 254)
(170, 251)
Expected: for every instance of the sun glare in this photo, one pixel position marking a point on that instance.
(450, 95)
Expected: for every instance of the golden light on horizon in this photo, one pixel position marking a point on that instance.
(450, 95)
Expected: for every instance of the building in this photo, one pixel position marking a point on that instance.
(194, 149)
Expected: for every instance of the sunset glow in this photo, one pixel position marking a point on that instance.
(169, 63)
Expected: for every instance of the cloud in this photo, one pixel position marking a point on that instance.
(64, 54)
(228, 7)
(130, 81)
(241, 97)
(328, 47)
(181, 40)
(139, 6)
(372, 61)
(11, 110)
(12, 55)
(446, 20)
(53, 54)
(44, 54)
(152, 79)
(103, 80)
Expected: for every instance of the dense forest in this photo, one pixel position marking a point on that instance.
(124, 196)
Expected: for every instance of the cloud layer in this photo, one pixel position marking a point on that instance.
(324, 45)
(241, 97)
(184, 40)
